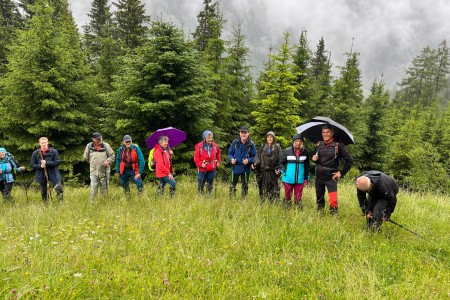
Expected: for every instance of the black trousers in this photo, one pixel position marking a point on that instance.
(378, 213)
(244, 179)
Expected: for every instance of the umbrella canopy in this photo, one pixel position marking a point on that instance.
(175, 136)
(313, 130)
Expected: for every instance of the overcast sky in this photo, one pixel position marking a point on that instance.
(387, 33)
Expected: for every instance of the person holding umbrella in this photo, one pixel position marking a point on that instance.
(328, 155)
(207, 159)
(164, 170)
(241, 155)
(382, 193)
(130, 165)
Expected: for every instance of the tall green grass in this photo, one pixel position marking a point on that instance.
(194, 247)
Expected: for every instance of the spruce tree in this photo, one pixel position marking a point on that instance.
(302, 59)
(320, 85)
(427, 78)
(277, 108)
(235, 106)
(162, 84)
(101, 44)
(46, 86)
(10, 21)
(131, 21)
(374, 144)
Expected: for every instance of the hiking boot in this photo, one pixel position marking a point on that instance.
(232, 191)
(171, 192)
(287, 204)
(334, 211)
(299, 205)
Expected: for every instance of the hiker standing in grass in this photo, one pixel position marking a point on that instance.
(382, 193)
(45, 162)
(241, 155)
(328, 156)
(267, 165)
(8, 167)
(295, 171)
(100, 157)
(130, 165)
(164, 170)
(207, 159)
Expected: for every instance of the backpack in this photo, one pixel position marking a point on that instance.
(151, 161)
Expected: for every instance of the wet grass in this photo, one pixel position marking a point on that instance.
(193, 247)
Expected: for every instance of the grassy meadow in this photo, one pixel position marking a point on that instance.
(194, 247)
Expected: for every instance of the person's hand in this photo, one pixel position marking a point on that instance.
(43, 163)
(1, 171)
(170, 176)
(233, 161)
(170, 152)
(245, 161)
(369, 215)
(305, 183)
(315, 157)
(203, 165)
(106, 163)
(336, 176)
(22, 169)
(277, 171)
(137, 176)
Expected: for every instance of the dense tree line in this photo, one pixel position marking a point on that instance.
(127, 74)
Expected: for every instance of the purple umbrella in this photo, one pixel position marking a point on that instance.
(175, 136)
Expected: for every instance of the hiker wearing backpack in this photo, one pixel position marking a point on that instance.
(8, 167)
(45, 161)
(207, 159)
(382, 191)
(267, 166)
(100, 157)
(130, 165)
(328, 156)
(295, 171)
(241, 155)
(164, 170)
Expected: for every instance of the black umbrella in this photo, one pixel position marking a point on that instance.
(313, 130)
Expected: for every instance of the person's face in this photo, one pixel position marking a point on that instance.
(2, 155)
(43, 144)
(128, 144)
(269, 139)
(97, 141)
(327, 135)
(243, 135)
(164, 143)
(298, 144)
(209, 139)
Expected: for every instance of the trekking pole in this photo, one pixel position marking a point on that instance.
(25, 184)
(401, 226)
(46, 177)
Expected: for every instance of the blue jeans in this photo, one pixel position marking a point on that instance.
(165, 180)
(124, 181)
(206, 177)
